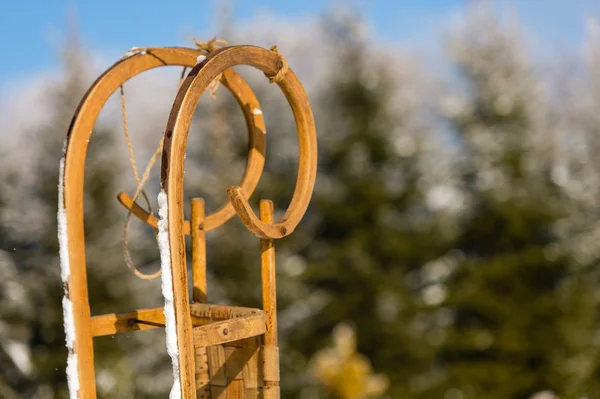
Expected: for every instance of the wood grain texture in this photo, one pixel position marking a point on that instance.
(271, 364)
(253, 370)
(269, 292)
(197, 218)
(203, 311)
(268, 277)
(235, 390)
(202, 376)
(180, 119)
(145, 319)
(198, 251)
(115, 323)
(216, 364)
(271, 392)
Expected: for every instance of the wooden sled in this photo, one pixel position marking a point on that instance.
(80, 325)
(222, 351)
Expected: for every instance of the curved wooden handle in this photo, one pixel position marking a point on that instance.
(255, 124)
(252, 222)
(181, 116)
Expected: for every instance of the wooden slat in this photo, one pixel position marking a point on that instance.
(203, 311)
(235, 362)
(252, 393)
(203, 391)
(230, 330)
(235, 389)
(253, 370)
(145, 319)
(199, 290)
(216, 365)
(198, 251)
(218, 392)
(201, 359)
(269, 289)
(114, 323)
(202, 377)
(270, 351)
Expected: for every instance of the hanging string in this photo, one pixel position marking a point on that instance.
(141, 181)
(205, 47)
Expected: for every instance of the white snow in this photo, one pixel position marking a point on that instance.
(133, 51)
(257, 111)
(167, 291)
(69, 322)
(72, 376)
(65, 272)
(65, 269)
(200, 58)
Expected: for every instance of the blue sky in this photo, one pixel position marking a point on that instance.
(31, 30)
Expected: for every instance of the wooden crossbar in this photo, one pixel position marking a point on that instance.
(114, 323)
(230, 330)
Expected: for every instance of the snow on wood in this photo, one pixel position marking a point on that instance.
(65, 269)
(200, 58)
(65, 272)
(133, 51)
(167, 291)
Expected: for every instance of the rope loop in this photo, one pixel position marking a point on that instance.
(283, 67)
(211, 45)
(141, 181)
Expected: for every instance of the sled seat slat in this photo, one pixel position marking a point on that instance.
(145, 319)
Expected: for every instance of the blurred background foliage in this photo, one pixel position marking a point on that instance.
(450, 250)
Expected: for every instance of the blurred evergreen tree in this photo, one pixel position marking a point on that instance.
(512, 297)
(369, 222)
(367, 225)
